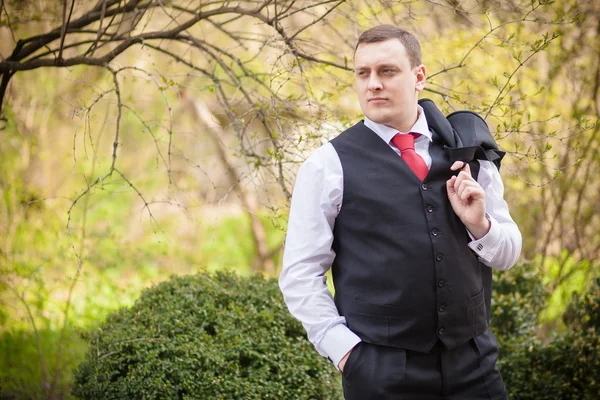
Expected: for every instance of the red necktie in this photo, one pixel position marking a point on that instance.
(406, 144)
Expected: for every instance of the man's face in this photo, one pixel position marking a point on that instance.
(386, 84)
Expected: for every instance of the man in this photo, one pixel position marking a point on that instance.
(411, 239)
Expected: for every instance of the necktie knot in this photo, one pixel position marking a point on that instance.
(406, 144)
(404, 141)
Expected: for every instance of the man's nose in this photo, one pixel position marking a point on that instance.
(374, 82)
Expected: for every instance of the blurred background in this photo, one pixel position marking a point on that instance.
(145, 138)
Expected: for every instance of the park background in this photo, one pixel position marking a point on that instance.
(142, 139)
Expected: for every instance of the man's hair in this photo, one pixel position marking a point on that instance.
(382, 33)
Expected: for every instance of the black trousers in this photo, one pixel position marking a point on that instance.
(467, 372)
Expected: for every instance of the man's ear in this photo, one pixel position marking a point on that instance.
(421, 75)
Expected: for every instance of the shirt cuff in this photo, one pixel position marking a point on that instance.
(337, 342)
(487, 246)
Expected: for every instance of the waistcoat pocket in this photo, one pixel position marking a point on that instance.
(478, 314)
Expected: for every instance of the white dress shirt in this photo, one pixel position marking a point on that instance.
(316, 202)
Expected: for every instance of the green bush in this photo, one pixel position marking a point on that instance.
(517, 300)
(567, 367)
(206, 336)
(224, 337)
(21, 368)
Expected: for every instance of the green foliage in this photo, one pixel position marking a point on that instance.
(564, 368)
(584, 313)
(567, 368)
(22, 371)
(59, 138)
(123, 256)
(116, 270)
(567, 275)
(206, 336)
(516, 302)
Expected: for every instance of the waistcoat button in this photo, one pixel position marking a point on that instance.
(442, 308)
(429, 209)
(435, 232)
(441, 331)
(441, 283)
(424, 186)
(439, 257)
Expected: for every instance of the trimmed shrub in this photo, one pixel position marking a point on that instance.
(206, 336)
(219, 336)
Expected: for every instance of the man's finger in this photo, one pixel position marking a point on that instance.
(465, 184)
(457, 165)
(467, 169)
(468, 193)
(463, 176)
(463, 167)
(450, 185)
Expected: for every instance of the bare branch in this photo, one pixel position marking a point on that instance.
(26, 47)
(8, 23)
(287, 15)
(100, 32)
(316, 21)
(119, 113)
(65, 26)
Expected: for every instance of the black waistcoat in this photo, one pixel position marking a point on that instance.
(403, 273)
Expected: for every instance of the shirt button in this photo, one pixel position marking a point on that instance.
(441, 283)
(439, 257)
(429, 209)
(424, 186)
(442, 308)
(435, 232)
(441, 331)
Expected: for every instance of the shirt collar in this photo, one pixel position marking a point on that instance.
(386, 133)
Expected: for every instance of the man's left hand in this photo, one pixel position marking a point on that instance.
(467, 199)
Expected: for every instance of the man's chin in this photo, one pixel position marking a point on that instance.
(379, 119)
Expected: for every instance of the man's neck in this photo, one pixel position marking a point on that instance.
(405, 127)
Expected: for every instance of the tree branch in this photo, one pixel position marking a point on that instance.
(90, 51)
(65, 26)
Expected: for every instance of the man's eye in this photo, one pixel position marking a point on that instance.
(387, 70)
